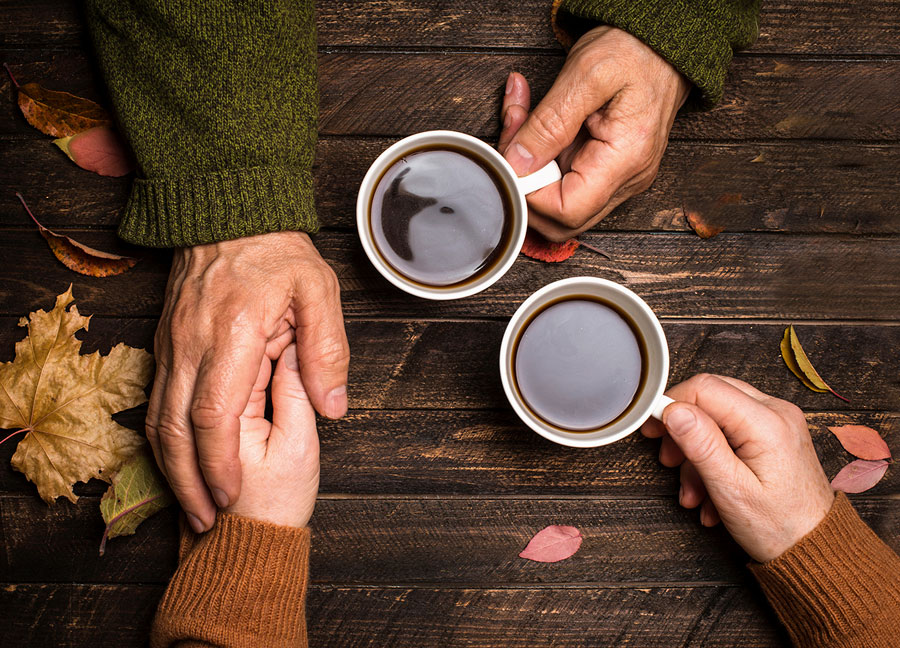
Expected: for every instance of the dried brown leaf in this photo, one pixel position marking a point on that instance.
(56, 113)
(63, 402)
(79, 257)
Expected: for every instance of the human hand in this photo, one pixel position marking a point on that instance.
(606, 121)
(746, 458)
(279, 459)
(228, 306)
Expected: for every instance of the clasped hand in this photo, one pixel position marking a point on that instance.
(230, 309)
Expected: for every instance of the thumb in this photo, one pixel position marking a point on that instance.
(704, 445)
(557, 119)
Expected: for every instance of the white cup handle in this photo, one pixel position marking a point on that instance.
(661, 403)
(540, 178)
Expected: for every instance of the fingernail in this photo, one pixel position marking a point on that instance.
(520, 159)
(509, 83)
(220, 497)
(195, 523)
(290, 359)
(336, 402)
(681, 495)
(507, 120)
(681, 421)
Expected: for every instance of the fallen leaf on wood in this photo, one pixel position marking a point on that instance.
(859, 476)
(552, 544)
(797, 361)
(63, 402)
(79, 257)
(137, 491)
(55, 113)
(537, 247)
(100, 150)
(862, 442)
(702, 229)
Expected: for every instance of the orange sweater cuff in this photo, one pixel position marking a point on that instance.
(838, 586)
(243, 583)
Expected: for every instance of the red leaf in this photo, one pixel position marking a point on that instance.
(100, 150)
(537, 247)
(862, 442)
(79, 257)
(860, 475)
(552, 544)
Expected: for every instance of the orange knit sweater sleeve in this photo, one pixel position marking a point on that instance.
(839, 587)
(243, 583)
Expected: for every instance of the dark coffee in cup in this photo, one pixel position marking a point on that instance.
(440, 216)
(579, 363)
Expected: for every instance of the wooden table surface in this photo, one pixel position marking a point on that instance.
(430, 486)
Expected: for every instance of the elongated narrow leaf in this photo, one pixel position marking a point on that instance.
(552, 544)
(797, 361)
(100, 150)
(859, 476)
(79, 257)
(862, 442)
(137, 491)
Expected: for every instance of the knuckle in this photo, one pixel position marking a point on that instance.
(170, 431)
(549, 126)
(703, 381)
(207, 414)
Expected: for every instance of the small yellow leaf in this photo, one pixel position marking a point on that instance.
(798, 362)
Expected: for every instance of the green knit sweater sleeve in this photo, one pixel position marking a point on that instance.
(218, 100)
(698, 37)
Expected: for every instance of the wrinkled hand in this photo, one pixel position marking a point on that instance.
(746, 458)
(279, 459)
(228, 306)
(606, 121)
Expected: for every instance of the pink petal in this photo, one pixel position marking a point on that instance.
(552, 544)
(862, 442)
(860, 475)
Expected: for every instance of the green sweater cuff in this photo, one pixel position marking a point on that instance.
(228, 204)
(696, 37)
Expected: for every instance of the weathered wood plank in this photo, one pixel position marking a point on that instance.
(380, 541)
(391, 94)
(345, 617)
(453, 365)
(789, 26)
(373, 452)
(804, 187)
(679, 275)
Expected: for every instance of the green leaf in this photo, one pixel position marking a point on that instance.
(137, 491)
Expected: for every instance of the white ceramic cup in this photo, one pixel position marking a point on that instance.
(516, 187)
(650, 401)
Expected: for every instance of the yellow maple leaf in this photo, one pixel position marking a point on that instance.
(63, 402)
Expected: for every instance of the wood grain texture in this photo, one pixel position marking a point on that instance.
(400, 365)
(413, 540)
(389, 94)
(792, 26)
(440, 452)
(678, 274)
(402, 617)
(806, 187)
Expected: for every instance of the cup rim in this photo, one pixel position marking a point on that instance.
(466, 288)
(590, 438)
